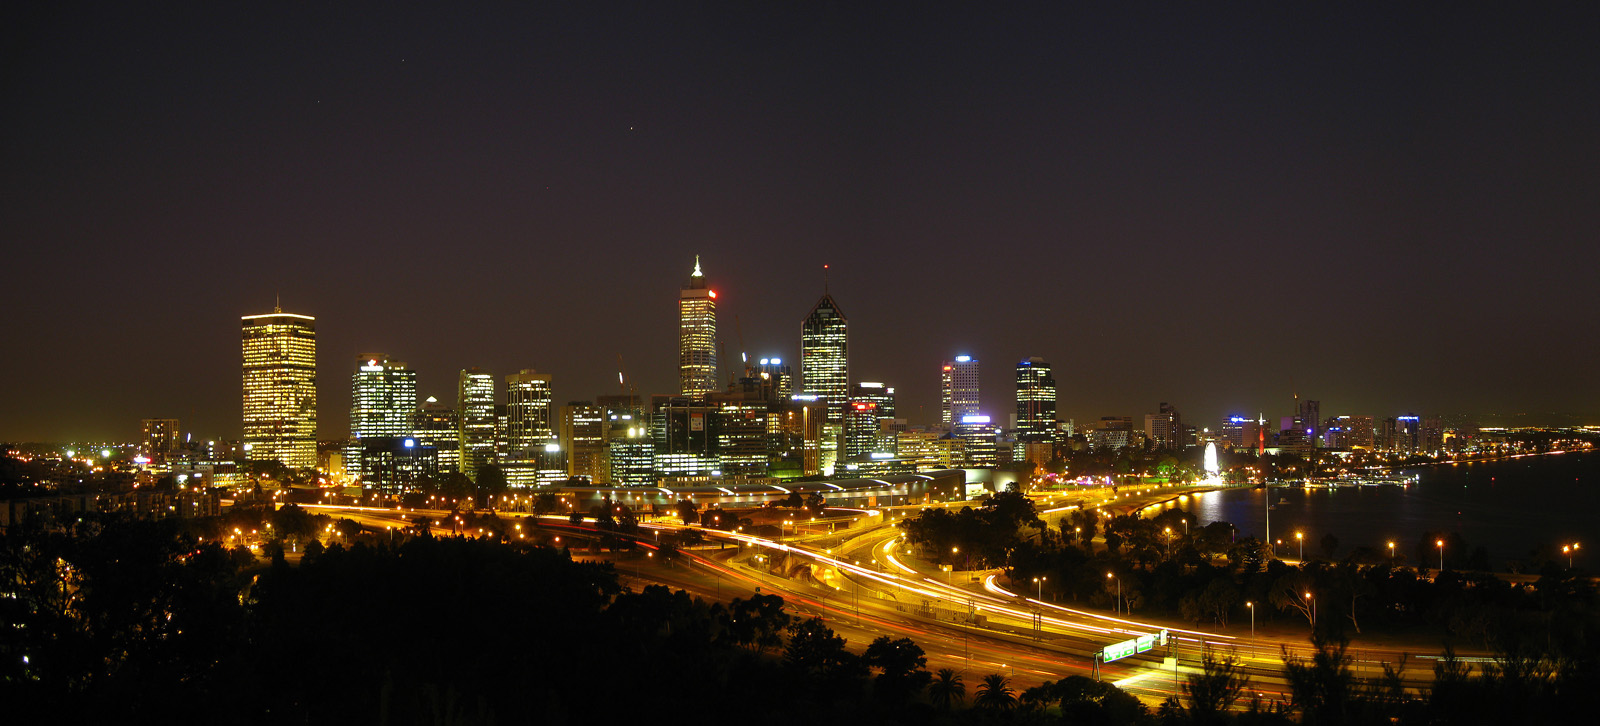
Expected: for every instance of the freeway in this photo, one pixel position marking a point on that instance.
(973, 627)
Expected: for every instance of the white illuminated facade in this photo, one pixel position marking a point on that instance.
(529, 423)
(958, 390)
(475, 407)
(280, 388)
(825, 357)
(383, 403)
(697, 336)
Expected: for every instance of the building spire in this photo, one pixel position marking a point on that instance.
(697, 272)
(277, 302)
(824, 278)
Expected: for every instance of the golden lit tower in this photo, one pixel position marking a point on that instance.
(280, 388)
(697, 341)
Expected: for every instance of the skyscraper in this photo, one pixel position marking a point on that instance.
(475, 406)
(383, 404)
(697, 335)
(437, 425)
(958, 390)
(280, 388)
(529, 423)
(1036, 401)
(824, 356)
(870, 403)
(583, 438)
(383, 395)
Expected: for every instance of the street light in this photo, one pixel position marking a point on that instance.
(1391, 551)
(1440, 543)
(1040, 582)
(1252, 607)
(1109, 576)
(1313, 609)
(1302, 540)
(1568, 550)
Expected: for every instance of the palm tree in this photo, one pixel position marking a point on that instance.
(995, 692)
(947, 689)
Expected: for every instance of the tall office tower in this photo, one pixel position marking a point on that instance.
(630, 450)
(1310, 418)
(697, 335)
(161, 437)
(475, 406)
(1036, 401)
(529, 424)
(824, 356)
(383, 402)
(870, 404)
(438, 426)
(1232, 432)
(1402, 434)
(777, 375)
(1165, 429)
(280, 388)
(1359, 432)
(685, 433)
(958, 390)
(583, 438)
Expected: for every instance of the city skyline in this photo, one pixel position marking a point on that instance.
(1382, 208)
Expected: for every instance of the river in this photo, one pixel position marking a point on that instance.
(1509, 507)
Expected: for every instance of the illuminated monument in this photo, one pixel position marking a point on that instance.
(1213, 471)
(280, 388)
(697, 336)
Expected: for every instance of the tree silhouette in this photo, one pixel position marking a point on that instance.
(995, 693)
(1213, 691)
(947, 689)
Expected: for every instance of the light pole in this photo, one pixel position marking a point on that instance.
(1391, 552)
(1301, 539)
(1110, 576)
(1313, 610)
(1252, 607)
(1040, 582)
(1267, 496)
(1568, 550)
(1440, 543)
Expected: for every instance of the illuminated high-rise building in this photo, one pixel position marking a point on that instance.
(383, 395)
(777, 376)
(280, 388)
(824, 356)
(870, 403)
(438, 426)
(583, 426)
(161, 437)
(529, 423)
(383, 403)
(475, 406)
(697, 336)
(958, 390)
(825, 371)
(1036, 401)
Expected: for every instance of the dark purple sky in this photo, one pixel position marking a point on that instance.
(1389, 208)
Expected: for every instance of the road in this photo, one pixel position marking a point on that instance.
(864, 587)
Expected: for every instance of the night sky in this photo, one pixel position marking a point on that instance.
(1389, 208)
